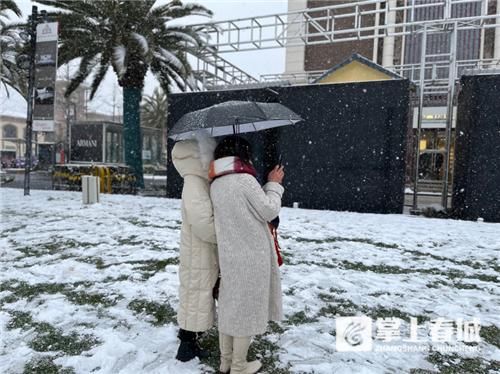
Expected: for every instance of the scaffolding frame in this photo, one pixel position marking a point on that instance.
(211, 70)
(321, 25)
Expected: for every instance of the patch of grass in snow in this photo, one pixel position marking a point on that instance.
(267, 351)
(19, 320)
(341, 239)
(290, 291)
(27, 291)
(150, 266)
(380, 269)
(23, 290)
(97, 261)
(4, 233)
(45, 365)
(473, 264)
(8, 299)
(55, 246)
(120, 278)
(153, 245)
(142, 223)
(485, 278)
(466, 286)
(209, 341)
(162, 313)
(50, 339)
(453, 363)
(341, 307)
(287, 257)
(437, 284)
(85, 298)
(300, 318)
(130, 240)
(383, 312)
(154, 266)
(344, 307)
(491, 335)
(387, 269)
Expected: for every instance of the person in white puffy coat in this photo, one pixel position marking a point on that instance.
(198, 266)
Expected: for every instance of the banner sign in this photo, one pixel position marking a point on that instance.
(45, 76)
(86, 142)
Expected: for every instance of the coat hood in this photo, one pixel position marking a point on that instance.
(192, 157)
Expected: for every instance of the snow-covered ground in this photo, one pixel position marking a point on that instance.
(93, 289)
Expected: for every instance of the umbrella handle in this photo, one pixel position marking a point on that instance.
(236, 126)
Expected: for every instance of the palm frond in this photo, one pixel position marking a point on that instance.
(130, 39)
(9, 5)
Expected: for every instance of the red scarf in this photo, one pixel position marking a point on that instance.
(233, 165)
(229, 165)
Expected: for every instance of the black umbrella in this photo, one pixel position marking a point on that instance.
(233, 117)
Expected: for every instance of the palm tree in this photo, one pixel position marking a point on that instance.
(11, 75)
(154, 109)
(131, 37)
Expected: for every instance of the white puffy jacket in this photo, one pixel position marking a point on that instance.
(198, 268)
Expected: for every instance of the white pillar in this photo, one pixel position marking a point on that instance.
(496, 54)
(388, 51)
(295, 56)
(375, 40)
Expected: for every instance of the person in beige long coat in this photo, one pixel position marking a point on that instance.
(198, 266)
(250, 287)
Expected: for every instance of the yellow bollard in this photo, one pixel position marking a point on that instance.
(102, 185)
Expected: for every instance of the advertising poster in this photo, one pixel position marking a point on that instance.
(45, 77)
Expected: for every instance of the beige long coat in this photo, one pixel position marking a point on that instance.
(198, 266)
(250, 289)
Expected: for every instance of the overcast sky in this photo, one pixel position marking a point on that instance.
(255, 62)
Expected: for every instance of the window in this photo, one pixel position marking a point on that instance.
(9, 132)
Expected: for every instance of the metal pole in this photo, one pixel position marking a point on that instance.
(449, 114)
(68, 138)
(484, 11)
(496, 48)
(29, 116)
(70, 119)
(403, 38)
(375, 40)
(390, 21)
(419, 119)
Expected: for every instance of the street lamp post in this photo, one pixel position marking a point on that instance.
(28, 62)
(33, 20)
(70, 119)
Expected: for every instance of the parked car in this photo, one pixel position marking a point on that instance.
(5, 177)
(20, 163)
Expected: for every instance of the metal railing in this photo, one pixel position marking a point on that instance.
(436, 72)
(325, 25)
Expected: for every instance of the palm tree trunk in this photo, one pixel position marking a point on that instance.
(132, 137)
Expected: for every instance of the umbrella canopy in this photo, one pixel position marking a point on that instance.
(233, 117)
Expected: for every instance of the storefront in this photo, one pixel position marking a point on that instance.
(103, 142)
(433, 143)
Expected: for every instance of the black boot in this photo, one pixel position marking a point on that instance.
(189, 347)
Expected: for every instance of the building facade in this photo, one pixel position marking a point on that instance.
(54, 147)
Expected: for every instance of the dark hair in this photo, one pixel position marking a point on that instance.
(234, 146)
